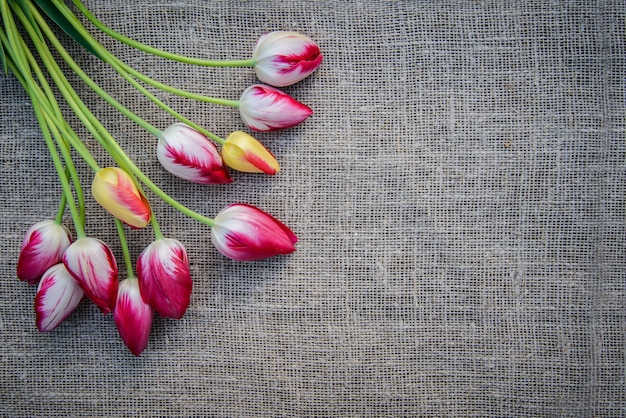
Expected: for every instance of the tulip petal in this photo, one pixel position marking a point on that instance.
(283, 58)
(58, 295)
(244, 232)
(244, 153)
(42, 247)
(132, 316)
(164, 277)
(115, 191)
(91, 262)
(264, 108)
(188, 154)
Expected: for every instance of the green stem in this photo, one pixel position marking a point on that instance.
(125, 252)
(155, 227)
(59, 218)
(158, 52)
(76, 68)
(53, 110)
(80, 231)
(117, 63)
(24, 76)
(99, 132)
(56, 121)
(12, 35)
(79, 71)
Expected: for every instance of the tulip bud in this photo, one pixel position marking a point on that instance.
(188, 154)
(91, 262)
(115, 191)
(244, 153)
(244, 232)
(284, 58)
(58, 294)
(164, 278)
(132, 316)
(264, 108)
(42, 247)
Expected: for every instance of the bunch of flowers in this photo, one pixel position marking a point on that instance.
(68, 269)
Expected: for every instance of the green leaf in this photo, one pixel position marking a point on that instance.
(53, 13)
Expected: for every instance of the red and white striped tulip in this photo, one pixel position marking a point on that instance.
(244, 153)
(42, 247)
(244, 232)
(188, 154)
(164, 277)
(58, 295)
(91, 262)
(264, 108)
(132, 316)
(284, 58)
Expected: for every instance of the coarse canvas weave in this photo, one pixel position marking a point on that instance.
(458, 194)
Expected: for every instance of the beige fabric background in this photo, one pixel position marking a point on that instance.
(458, 194)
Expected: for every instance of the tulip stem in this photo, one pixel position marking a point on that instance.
(155, 227)
(116, 63)
(150, 128)
(158, 52)
(62, 205)
(101, 92)
(125, 252)
(41, 108)
(102, 135)
(58, 165)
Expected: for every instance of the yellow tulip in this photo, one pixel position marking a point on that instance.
(115, 191)
(244, 153)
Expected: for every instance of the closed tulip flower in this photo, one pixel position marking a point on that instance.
(244, 232)
(283, 58)
(188, 154)
(132, 316)
(42, 247)
(244, 153)
(164, 277)
(115, 191)
(264, 108)
(58, 295)
(91, 262)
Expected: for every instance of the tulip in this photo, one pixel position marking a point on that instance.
(115, 191)
(188, 154)
(284, 58)
(132, 316)
(244, 153)
(91, 262)
(58, 294)
(244, 232)
(164, 277)
(264, 108)
(42, 247)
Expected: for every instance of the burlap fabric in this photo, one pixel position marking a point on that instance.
(458, 195)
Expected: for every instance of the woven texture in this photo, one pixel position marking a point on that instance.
(458, 195)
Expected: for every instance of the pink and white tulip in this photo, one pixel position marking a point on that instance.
(132, 316)
(58, 295)
(164, 277)
(91, 262)
(244, 232)
(188, 154)
(264, 108)
(42, 247)
(284, 58)
(115, 191)
(244, 153)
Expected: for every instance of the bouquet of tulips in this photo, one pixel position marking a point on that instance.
(69, 269)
